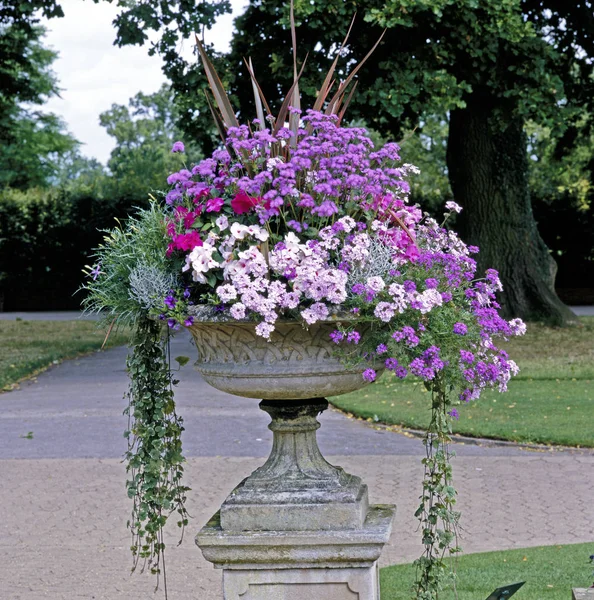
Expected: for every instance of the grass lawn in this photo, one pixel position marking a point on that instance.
(549, 572)
(551, 400)
(29, 346)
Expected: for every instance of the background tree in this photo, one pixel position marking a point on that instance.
(144, 132)
(31, 141)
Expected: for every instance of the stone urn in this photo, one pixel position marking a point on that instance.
(297, 527)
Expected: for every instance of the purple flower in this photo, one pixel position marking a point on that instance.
(391, 363)
(353, 337)
(469, 374)
(381, 349)
(358, 289)
(189, 321)
(170, 301)
(446, 296)
(454, 414)
(466, 356)
(187, 293)
(173, 196)
(401, 372)
(431, 283)
(295, 225)
(409, 286)
(337, 336)
(96, 271)
(369, 375)
(178, 147)
(172, 323)
(460, 329)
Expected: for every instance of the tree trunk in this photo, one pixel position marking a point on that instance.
(488, 171)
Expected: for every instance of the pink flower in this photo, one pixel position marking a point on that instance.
(214, 204)
(243, 203)
(187, 241)
(201, 193)
(189, 220)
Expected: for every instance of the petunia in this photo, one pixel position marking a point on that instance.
(243, 203)
(214, 204)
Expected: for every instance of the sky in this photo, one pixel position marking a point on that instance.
(93, 74)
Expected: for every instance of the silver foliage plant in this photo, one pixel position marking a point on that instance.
(149, 285)
(378, 264)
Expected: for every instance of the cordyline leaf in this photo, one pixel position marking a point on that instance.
(347, 102)
(218, 90)
(328, 82)
(282, 113)
(255, 82)
(257, 99)
(345, 83)
(296, 99)
(217, 118)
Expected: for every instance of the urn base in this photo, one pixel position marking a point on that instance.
(281, 565)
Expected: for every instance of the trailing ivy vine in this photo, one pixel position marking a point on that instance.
(154, 457)
(438, 519)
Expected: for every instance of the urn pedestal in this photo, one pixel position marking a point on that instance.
(297, 527)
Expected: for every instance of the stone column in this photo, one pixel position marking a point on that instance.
(297, 527)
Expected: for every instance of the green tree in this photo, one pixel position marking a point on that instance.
(144, 132)
(31, 141)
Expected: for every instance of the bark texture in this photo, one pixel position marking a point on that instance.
(488, 171)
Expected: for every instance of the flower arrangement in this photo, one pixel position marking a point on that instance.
(266, 229)
(301, 217)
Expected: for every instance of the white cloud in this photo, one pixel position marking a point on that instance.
(94, 74)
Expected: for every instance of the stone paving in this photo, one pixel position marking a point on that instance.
(63, 533)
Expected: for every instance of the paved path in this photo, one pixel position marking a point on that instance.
(63, 534)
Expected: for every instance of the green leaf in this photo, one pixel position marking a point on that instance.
(182, 360)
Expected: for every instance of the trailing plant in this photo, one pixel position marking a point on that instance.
(131, 267)
(154, 457)
(436, 514)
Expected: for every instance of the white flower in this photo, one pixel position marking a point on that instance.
(452, 206)
(429, 299)
(518, 327)
(258, 232)
(348, 223)
(376, 283)
(239, 231)
(222, 223)
(237, 311)
(384, 311)
(407, 167)
(264, 330)
(201, 261)
(226, 293)
(272, 162)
